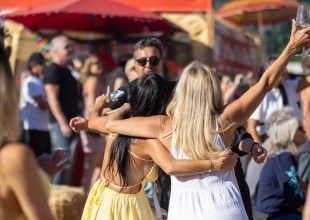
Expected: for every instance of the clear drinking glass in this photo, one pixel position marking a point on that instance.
(303, 21)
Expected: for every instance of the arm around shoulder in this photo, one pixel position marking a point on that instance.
(148, 127)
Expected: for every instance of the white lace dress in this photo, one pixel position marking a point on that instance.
(213, 196)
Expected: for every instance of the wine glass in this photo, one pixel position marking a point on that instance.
(303, 21)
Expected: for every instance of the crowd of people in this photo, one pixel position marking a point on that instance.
(194, 130)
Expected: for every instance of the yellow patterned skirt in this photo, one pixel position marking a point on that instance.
(105, 204)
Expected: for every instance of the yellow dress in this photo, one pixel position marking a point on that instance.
(104, 203)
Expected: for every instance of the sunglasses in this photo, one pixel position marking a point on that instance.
(154, 61)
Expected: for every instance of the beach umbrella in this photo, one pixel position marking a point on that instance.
(258, 12)
(101, 16)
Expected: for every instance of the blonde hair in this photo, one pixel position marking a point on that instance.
(9, 111)
(196, 103)
(281, 128)
(85, 71)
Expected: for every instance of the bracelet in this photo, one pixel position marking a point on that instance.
(251, 149)
(211, 166)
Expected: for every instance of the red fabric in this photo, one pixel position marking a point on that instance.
(146, 5)
(170, 5)
(22, 3)
(90, 15)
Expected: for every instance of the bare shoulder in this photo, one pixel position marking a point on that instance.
(15, 155)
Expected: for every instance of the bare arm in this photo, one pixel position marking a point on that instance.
(258, 152)
(52, 92)
(97, 122)
(171, 166)
(147, 127)
(41, 102)
(89, 90)
(239, 111)
(251, 128)
(306, 213)
(229, 94)
(21, 174)
(303, 83)
(305, 100)
(119, 82)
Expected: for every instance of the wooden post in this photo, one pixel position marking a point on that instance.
(210, 27)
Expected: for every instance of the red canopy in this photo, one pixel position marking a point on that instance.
(4, 4)
(90, 15)
(170, 5)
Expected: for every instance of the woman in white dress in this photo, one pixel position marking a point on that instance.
(198, 126)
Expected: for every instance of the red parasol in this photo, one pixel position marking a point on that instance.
(170, 5)
(102, 16)
(250, 12)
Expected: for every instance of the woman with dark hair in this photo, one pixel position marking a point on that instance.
(131, 162)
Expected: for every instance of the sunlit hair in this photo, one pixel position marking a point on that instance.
(55, 43)
(9, 111)
(196, 103)
(281, 128)
(85, 71)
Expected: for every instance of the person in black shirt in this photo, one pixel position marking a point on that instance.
(62, 97)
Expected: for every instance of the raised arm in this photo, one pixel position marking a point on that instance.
(96, 122)
(171, 166)
(240, 110)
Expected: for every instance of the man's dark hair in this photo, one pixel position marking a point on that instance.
(148, 42)
(150, 96)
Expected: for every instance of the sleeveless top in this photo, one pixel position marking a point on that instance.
(103, 202)
(150, 177)
(213, 195)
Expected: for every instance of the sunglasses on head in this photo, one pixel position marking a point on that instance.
(154, 61)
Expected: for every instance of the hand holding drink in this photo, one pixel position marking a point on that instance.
(302, 22)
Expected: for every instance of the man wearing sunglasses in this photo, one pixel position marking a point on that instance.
(62, 97)
(148, 56)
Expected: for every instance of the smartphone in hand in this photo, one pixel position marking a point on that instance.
(116, 94)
